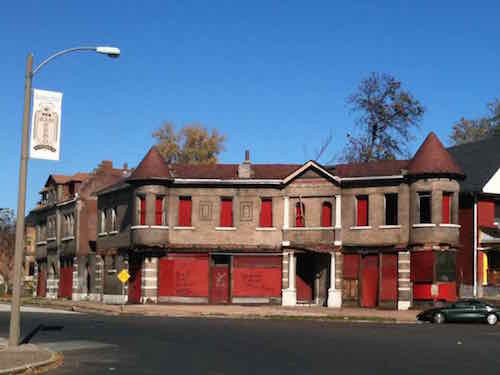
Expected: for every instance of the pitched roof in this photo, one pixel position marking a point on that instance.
(479, 160)
(369, 169)
(63, 179)
(432, 158)
(230, 171)
(152, 166)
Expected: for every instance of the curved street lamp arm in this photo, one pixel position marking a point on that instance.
(63, 52)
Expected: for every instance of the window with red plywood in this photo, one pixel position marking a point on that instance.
(185, 206)
(362, 211)
(142, 210)
(326, 214)
(226, 212)
(300, 212)
(159, 211)
(266, 213)
(446, 218)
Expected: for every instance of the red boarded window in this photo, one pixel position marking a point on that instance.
(266, 213)
(226, 212)
(326, 214)
(142, 211)
(422, 266)
(159, 211)
(300, 215)
(362, 211)
(447, 208)
(351, 266)
(185, 211)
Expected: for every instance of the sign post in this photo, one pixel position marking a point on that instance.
(123, 276)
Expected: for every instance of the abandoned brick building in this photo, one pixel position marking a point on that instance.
(381, 233)
(65, 222)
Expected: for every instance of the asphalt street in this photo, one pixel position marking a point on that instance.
(94, 344)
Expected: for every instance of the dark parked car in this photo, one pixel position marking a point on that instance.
(470, 310)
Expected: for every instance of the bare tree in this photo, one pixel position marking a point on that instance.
(386, 115)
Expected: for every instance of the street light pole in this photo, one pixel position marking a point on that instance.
(15, 314)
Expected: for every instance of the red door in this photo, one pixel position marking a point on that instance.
(66, 280)
(369, 280)
(219, 292)
(41, 286)
(304, 278)
(134, 283)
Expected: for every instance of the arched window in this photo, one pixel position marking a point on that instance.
(326, 214)
(300, 215)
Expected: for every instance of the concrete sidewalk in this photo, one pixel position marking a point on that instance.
(25, 358)
(233, 311)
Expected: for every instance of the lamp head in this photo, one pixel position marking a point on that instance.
(110, 51)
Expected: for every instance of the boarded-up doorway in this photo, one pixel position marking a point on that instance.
(369, 280)
(219, 281)
(134, 283)
(304, 280)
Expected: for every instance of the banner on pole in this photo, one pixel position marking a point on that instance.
(46, 125)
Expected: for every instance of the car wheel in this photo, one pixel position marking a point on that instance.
(492, 319)
(438, 318)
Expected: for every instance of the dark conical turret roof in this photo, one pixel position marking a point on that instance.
(151, 167)
(433, 158)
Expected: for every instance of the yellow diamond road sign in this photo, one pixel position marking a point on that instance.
(123, 276)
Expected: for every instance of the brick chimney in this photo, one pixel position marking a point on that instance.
(245, 168)
(105, 167)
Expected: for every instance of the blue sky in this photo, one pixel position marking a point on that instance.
(271, 75)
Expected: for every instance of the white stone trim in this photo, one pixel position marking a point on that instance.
(450, 225)
(306, 166)
(360, 227)
(371, 178)
(265, 229)
(184, 228)
(308, 228)
(424, 225)
(338, 211)
(102, 234)
(404, 288)
(113, 232)
(69, 238)
(286, 216)
(139, 227)
(158, 226)
(403, 305)
(41, 243)
(225, 228)
(50, 239)
(389, 226)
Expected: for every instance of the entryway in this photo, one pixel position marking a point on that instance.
(219, 279)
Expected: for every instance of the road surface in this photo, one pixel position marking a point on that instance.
(94, 344)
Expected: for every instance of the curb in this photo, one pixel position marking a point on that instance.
(331, 318)
(33, 366)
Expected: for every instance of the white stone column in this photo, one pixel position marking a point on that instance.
(286, 213)
(334, 294)
(289, 295)
(149, 280)
(338, 211)
(35, 280)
